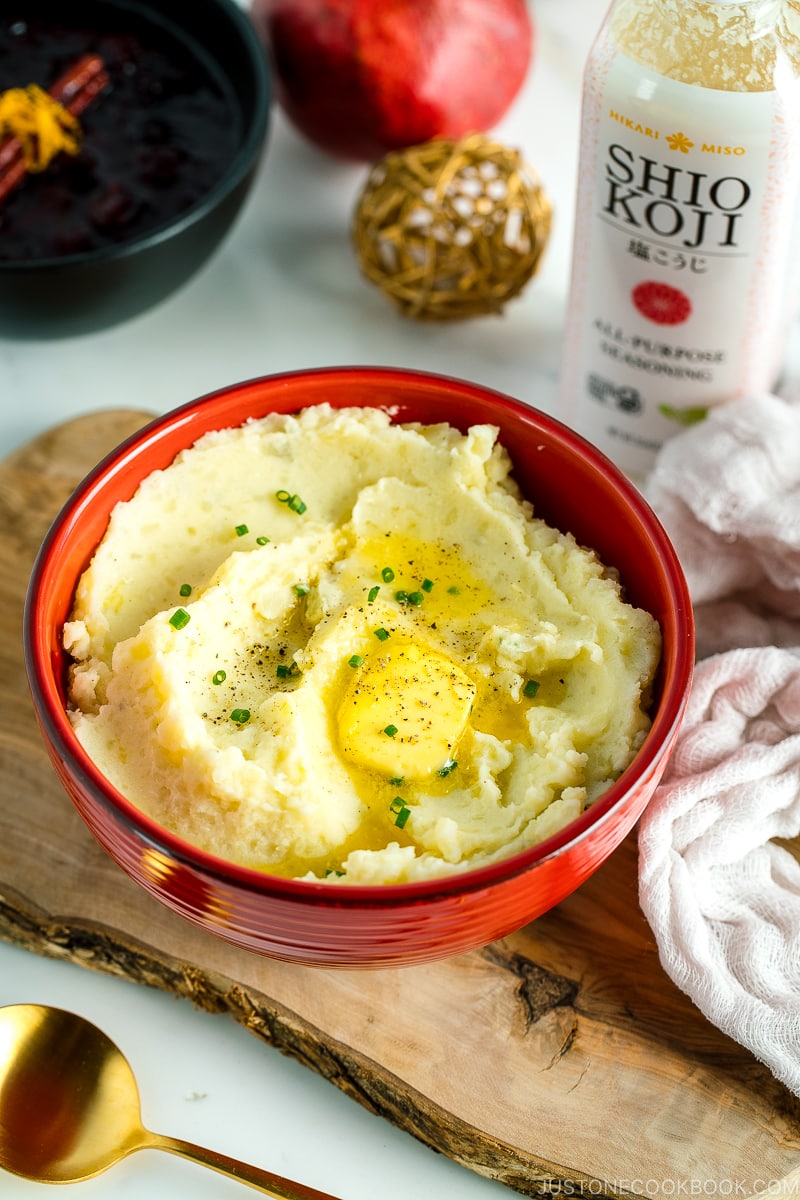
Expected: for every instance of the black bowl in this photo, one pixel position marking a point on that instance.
(79, 292)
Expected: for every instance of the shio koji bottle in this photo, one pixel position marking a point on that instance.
(686, 257)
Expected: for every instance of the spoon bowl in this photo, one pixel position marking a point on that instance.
(69, 1106)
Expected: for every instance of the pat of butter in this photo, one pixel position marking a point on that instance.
(404, 711)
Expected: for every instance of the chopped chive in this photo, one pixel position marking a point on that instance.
(219, 677)
(454, 591)
(390, 730)
(185, 589)
(294, 502)
(449, 765)
(427, 585)
(372, 594)
(284, 672)
(240, 715)
(400, 810)
(387, 574)
(397, 781)
(301, 589)
(262, 540)
(415, 598)
(381, 634)
(355, 660)
(241, 530)
(401, 597)
(179, 619)
(530, 689)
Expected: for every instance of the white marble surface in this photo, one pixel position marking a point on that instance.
(284, 293)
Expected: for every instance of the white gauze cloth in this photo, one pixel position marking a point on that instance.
(720, 894)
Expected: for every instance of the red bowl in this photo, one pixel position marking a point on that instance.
(571, 485)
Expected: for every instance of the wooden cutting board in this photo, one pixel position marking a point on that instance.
(560, 1060)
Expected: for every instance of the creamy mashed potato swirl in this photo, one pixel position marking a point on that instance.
(331, 647)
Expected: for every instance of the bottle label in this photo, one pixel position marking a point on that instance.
(685, 211)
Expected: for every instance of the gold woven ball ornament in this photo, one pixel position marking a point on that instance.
(451, 229)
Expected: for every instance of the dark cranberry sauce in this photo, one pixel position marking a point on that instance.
(154, 141)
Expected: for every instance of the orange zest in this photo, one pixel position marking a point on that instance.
(42, 125)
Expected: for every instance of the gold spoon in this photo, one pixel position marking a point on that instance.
(69, 1106)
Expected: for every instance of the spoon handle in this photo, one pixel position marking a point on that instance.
(254, 1177)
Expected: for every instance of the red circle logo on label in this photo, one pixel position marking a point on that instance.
(661, 303)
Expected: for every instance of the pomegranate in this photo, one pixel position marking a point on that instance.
(362, 77)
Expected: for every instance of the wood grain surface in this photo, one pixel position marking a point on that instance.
(560, 1060)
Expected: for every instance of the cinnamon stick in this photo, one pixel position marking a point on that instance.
(75, 89)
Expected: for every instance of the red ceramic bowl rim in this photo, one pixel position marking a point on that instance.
(52, 713)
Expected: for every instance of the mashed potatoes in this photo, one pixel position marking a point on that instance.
(331, 647)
